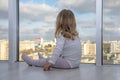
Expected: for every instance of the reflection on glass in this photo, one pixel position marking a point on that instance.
(3, 29)
(37, 25)
(111, 35)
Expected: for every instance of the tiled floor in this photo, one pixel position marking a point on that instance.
(20, 71)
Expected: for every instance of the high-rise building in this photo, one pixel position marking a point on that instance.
(89, 48)
(115, 46)
(3, 49)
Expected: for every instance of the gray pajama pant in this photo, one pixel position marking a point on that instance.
(60, 63)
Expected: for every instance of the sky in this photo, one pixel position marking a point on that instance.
(37, 18)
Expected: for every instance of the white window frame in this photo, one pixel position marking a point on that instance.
(99, 32)
(13, 13)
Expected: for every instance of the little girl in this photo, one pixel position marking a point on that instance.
(67, 53)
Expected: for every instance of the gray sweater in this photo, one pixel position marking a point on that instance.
(70, 50)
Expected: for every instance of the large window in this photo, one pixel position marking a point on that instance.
(85, 12)
(111, 27)
(37, 25)
(3, 29)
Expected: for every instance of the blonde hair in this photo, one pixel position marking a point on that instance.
(66, 24)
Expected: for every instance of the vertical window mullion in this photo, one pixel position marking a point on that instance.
(99, 32)
(13, 30)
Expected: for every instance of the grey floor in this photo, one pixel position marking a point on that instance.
(21, 71)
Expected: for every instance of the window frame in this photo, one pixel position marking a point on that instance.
(13, 16)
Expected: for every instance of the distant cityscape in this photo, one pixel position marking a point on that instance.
(111, 50)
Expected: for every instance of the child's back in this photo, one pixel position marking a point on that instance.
(67, 49)
(72, 52)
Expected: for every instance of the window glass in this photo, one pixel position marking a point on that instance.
(3, 29)
(111, 32)
(37, 25)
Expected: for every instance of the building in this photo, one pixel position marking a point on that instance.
(115, 46)
(88, 52)
(27, 44)
(89, 48)
(4, 50)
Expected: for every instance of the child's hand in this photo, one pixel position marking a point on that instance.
(47, 67)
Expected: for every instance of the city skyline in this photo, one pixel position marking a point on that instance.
(111, 50)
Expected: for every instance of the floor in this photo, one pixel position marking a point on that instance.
(21, 71)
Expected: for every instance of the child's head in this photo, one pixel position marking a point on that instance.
(66, 24)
